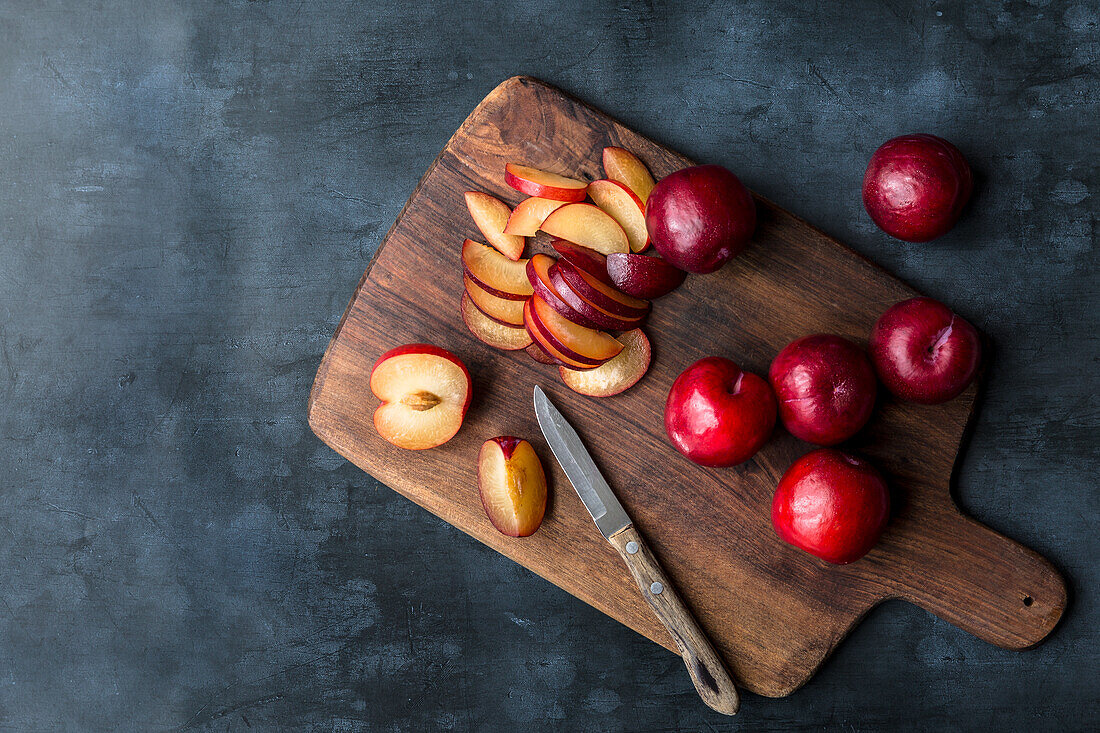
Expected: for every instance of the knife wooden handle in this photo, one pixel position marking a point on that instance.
(712, 681)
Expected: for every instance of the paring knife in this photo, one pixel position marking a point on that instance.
(708, 673)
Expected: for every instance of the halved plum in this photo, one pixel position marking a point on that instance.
(625, 207)
(538, 272)
(622, 165)
(425, 392)
(589, 310)
(495, 334)
(491, 216)
(494, 272)
(529, 215)
(642, 276)
(508, 312)
(616, 375)
(544, 184)
(589, 260)
(605, 296)
(587, 225)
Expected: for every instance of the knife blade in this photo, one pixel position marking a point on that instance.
(707, 670)
(580, 469)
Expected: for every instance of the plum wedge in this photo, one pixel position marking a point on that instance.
(529, 215)
(623, 166)
(616, 375)
(494, 272)
(491, 216)
(494, 333)
(573, 340)
(501, 310)
(512, 485)
(591, 312)
(605, 296)
(543, 340)
(535, 182)
(536, 352)
(625, 207)
(589, 260)
(538, 272)
(642, 276)
(589, 226)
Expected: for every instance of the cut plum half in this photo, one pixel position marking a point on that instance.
(642, 276)
(589, 226)
(494, 272)
(622, 165)
(616, 199)
(425, 392)
(491, 216)
(529, 215)
(544, 184)
(501, 310)
(616, 375)
(512, 485)
(486, 330)
(589, 310)
(543, 339)
(608, 297)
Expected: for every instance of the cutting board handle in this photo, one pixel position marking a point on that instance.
(982, 582)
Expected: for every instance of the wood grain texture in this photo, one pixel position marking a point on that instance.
(773, 612)
(707, 670)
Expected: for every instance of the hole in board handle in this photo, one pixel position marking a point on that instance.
(1028, 600)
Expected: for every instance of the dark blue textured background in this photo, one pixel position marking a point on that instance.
(189, 193)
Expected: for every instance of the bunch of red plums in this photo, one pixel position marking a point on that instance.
(822, 387)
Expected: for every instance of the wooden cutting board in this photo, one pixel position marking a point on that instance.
(774, 612)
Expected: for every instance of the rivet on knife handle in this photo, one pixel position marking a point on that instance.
(708, 673)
